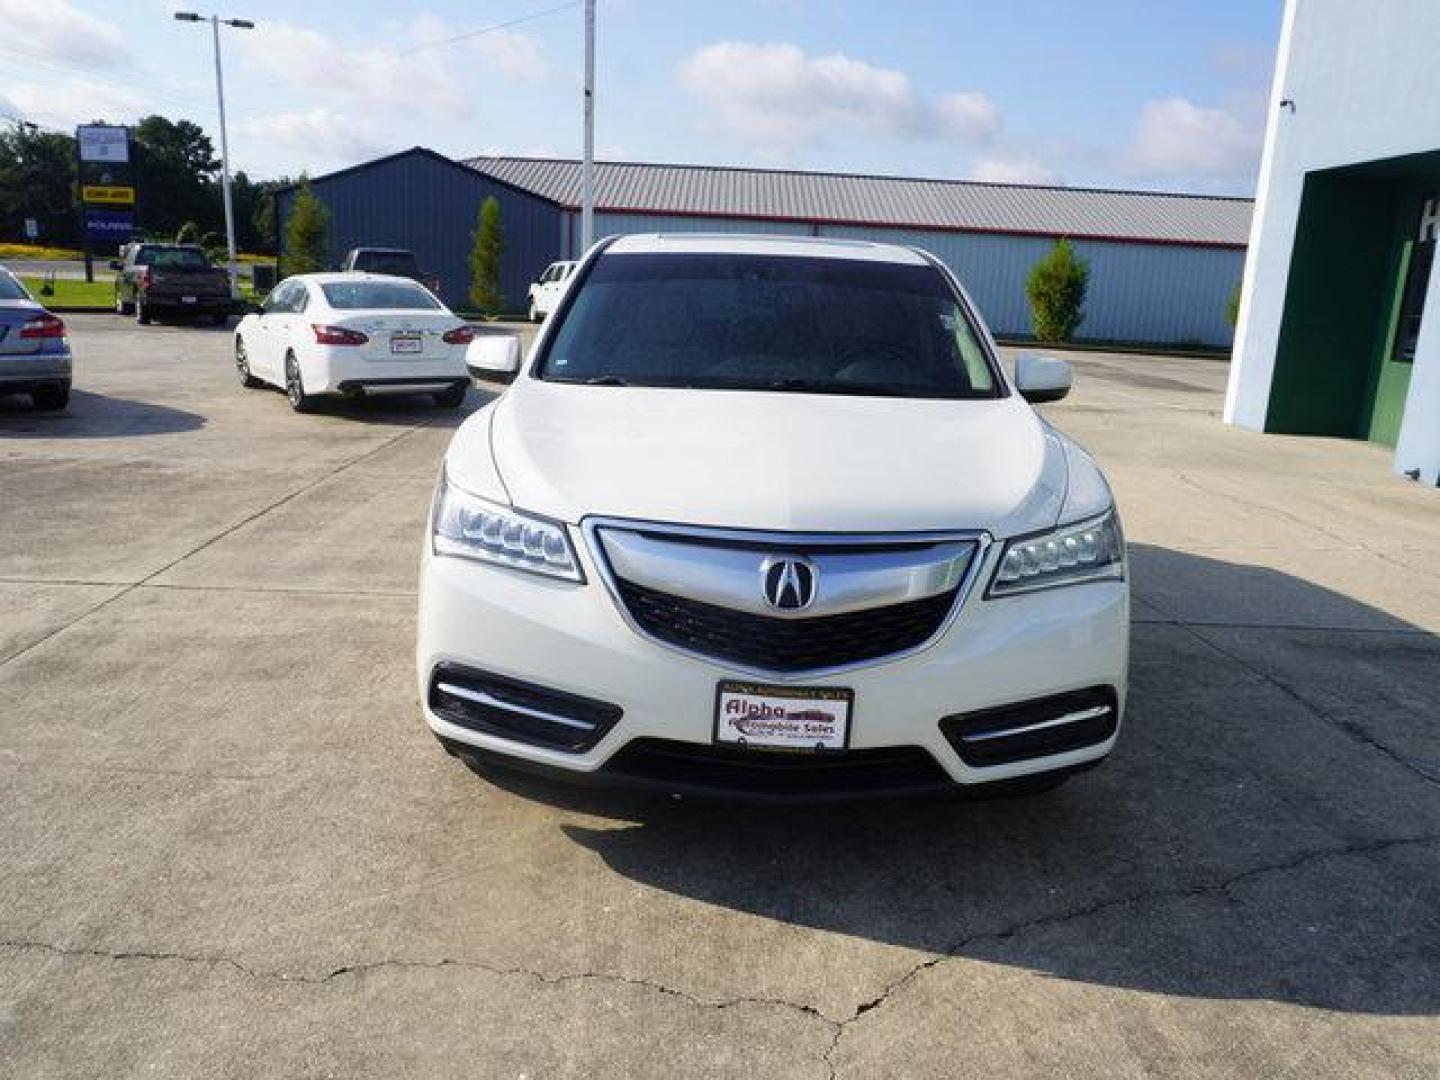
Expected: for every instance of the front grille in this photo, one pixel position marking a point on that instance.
(1034, 729)
(520, 711)
(776, 775)
(784, 644)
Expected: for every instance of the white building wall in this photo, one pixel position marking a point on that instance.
(1365, 85)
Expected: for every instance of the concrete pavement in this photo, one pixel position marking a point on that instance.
(234, 850)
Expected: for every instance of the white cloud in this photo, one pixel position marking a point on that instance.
(1005, 169)
(516, 56)
(777, 99)
(1176, 137)
(70, 101)
(359, 79)
(57, 30)
(312, 139)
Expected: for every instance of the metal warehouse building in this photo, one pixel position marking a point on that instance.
(1162, 266)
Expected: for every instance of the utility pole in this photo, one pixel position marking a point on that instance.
(239, 24)
(587, 167)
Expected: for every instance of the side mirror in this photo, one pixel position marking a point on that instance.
(114, 264)
(1042, 378)
(495, 357)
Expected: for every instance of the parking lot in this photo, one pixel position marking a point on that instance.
(233, 848)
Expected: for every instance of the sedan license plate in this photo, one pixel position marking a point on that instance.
(406, 343)
(783, 717)
(187, 299)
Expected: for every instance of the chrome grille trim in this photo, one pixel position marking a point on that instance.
(972, 546)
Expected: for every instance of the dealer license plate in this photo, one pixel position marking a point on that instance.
(187, 299)
(406, 343)
(783, 717)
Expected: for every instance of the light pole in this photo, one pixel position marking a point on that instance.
(587, 166)
(239, 24)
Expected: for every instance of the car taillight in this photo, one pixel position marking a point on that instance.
(337, 335)
(461, 335)
(43, 327)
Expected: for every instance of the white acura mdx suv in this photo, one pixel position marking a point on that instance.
(765, 518)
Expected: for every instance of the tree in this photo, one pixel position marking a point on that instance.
(263, 215)
(1232, 306)
(188, 233)
(485, 259)
(1056, 288)
(176, 172)
(307, 245)
(37, 180)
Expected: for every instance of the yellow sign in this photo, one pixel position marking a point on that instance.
(108, 196)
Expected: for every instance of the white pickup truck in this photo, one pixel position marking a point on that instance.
(545, 293)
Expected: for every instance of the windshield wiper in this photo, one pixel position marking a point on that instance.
(828, 386)
(606, 380)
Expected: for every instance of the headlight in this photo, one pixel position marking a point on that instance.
(472, 528)
(1091, 550)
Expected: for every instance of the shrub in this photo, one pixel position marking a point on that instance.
(187, 233)
(1056, 288)
(1232, 306)
(485, 259)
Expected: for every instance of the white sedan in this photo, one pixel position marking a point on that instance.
(353, 335)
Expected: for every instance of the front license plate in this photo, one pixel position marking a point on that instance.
(187, 299)
(406, 343)
(783, 717)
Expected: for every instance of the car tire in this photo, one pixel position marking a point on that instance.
(220, 318)
(52, 397)
(142, 315)
(242, 366)
(295, 393)
(452, 398)
(121, 307)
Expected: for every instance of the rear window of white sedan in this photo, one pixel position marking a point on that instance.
(372, 295)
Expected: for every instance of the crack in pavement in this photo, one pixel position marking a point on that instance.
(1100, 907)
(1223, 887)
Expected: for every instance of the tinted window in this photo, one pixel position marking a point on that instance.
(764, 322)
(400, 263)
(10, 289)
(348, 295)
(168, 258)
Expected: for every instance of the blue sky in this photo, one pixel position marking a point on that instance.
(1169, 94)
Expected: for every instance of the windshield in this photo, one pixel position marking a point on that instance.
(400, 263)
(769, 322)
(10, 289)
(173, 258)
(355, 295)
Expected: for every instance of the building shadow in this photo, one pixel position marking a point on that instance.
(1240, 843)
(92, 416)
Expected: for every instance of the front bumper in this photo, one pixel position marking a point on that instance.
(909, 712)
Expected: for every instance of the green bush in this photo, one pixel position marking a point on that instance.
(188, 233)
(485, 260)
(1056, 288)
(307, 245)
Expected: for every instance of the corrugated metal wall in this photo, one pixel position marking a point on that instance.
(431, 206)
(1138, 292)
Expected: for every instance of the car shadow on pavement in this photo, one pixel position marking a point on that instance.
(401, 410)
(1268, 826)
(93, 416)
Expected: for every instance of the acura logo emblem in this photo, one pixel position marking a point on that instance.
(789, 583)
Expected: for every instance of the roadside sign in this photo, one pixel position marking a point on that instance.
(111, 195)
(32, 229)
(114, 226)
(103, 143)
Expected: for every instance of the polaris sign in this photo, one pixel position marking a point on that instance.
(115, 226)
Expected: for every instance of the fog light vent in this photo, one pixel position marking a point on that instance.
(521, 711)
(1034, 729)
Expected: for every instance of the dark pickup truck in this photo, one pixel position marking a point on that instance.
(173, 279)
(397, 262)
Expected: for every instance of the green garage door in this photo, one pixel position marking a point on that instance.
(1397, 358)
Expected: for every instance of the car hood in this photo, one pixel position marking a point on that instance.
(762, 460)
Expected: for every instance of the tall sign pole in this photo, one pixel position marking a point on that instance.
(587, 168)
